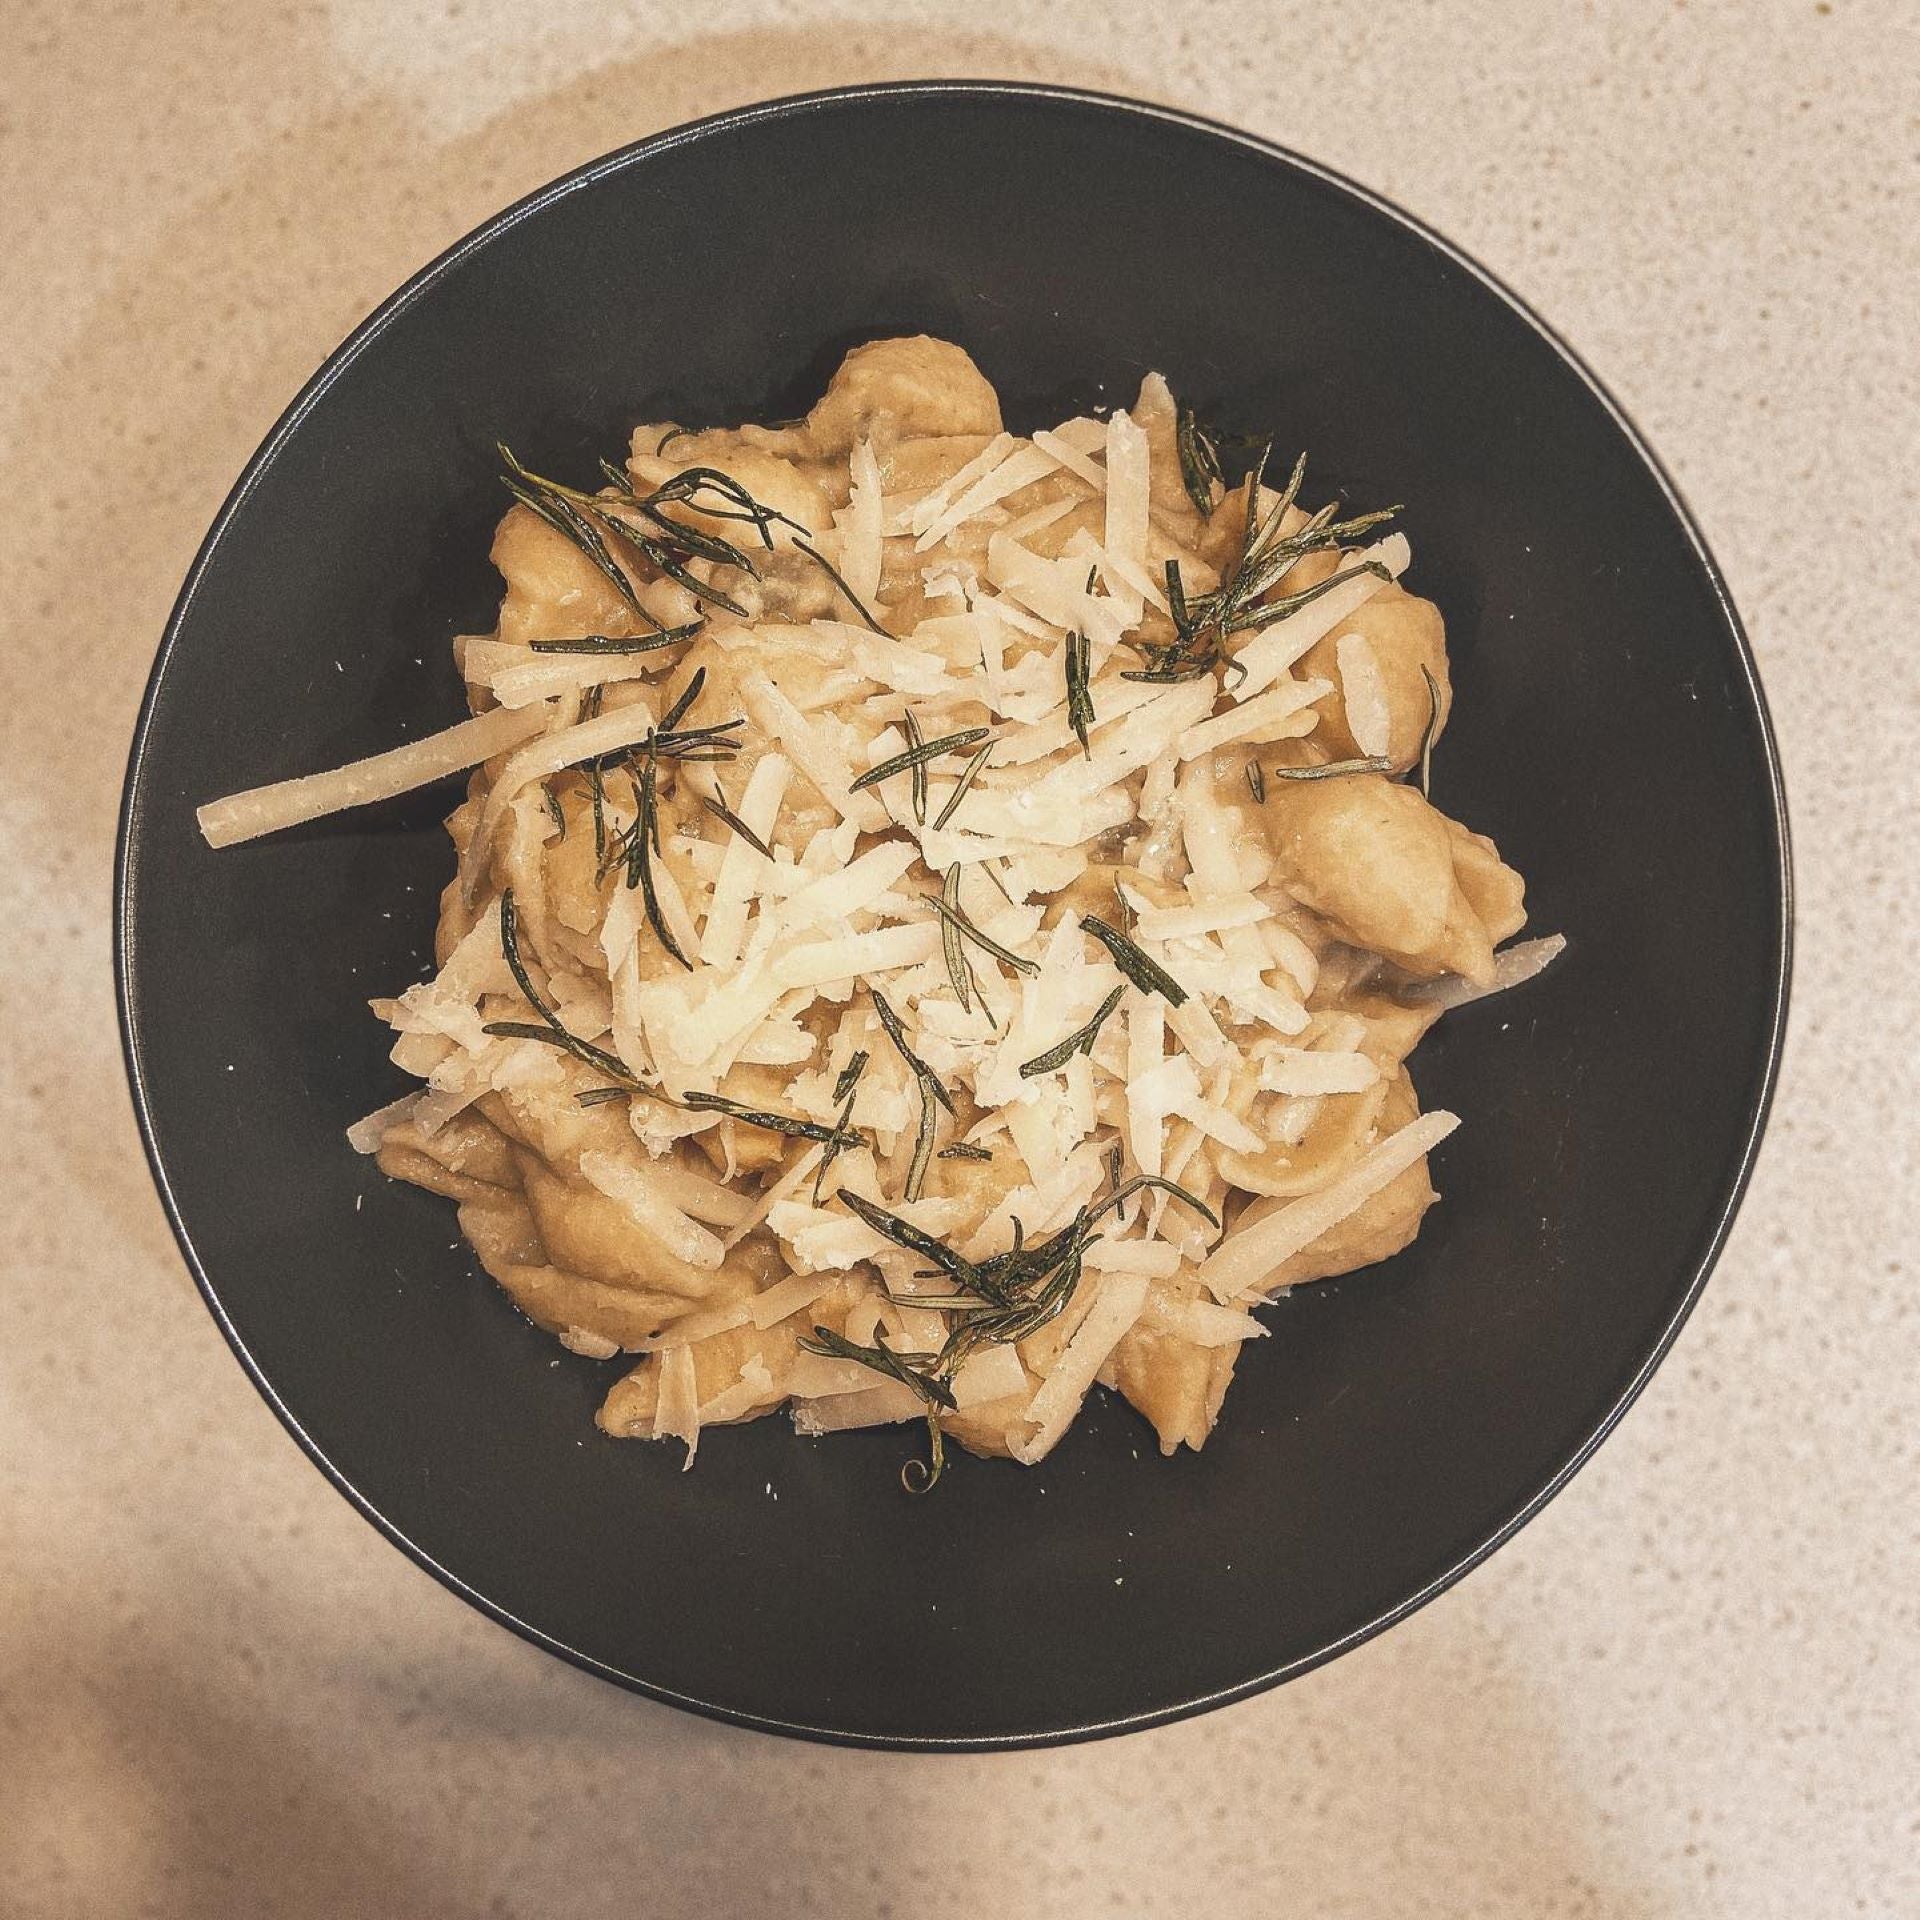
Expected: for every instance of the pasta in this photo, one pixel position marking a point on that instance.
(940, 918)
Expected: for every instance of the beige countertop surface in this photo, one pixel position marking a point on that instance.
(1690, 1688)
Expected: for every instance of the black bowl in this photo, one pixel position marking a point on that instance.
(1402, 1421)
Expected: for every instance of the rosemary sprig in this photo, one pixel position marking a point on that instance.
(918, 756)
(958, 920)
(614, 643)
(1145, 973)
(1199, 461)
(1079, 1042)
(556, 1032)
(1125, 1190)
(1335, 769)
(918, 783)
(1080, 714)
(965, 1150)
(727, 817)
(959, 972)
(1430, 730)
(791, 1125)
(915, 1370)
(968, 774)
(844, 1090)
(643, 842)
(689, 694)
(553, 506)
(897, 1034)
(833, 573)
(903, 1233)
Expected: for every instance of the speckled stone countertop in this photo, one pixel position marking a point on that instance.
(1688, 1689)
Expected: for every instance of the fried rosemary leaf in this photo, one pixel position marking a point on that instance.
(842, 1132)
(832, 572)
(903, 1233)
(1334, 769)
(919, 781)
(850, 1075)
(1079, 666)
(956, 919)
(599, 1096)
(680, 708)
(791, 1125)
(969, 774)
(896, 1366)
(1078, 1042)
(897, 1034)
(917, 756)
(727, 817)
(1145, 973)
(541, 497)
(613, 643)
(959, 973)
(1127, 1189)
(964, 1150)
(1256, 782)
(1432, 728)
(555, 812)
(556, 1033)
(643, 841)
(1199, 461)
(923, 1141)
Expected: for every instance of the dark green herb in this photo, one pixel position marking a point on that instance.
(956, 919)
(556, 1033)
(1080, 1042)
(1256, 782)
(565, 518)
(915, 1370)
(955, 955)
(789, 1124)
(832, 572)
(726, 815)
(1080, 714)
(643, 842)
(897, 1034)
(850, 1075)
(1199, 461)
(1431, 730)
(903, 1233)
(968, 775)
(918, 783)
(679, 710)
(1334, 769)
(918, 756)
(1126, 1190)
(555, 812)
(1145, 973)
(964, 1150)
(618, 643)
(599, 1096)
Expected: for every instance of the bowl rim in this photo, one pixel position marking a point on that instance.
(127, 860)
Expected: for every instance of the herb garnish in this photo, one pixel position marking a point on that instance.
(791, 1125)
(1146, 973)
(918, 756)
(618, 643)
(1199, 461)
(1431, 729)
(965, 1150)
(1078, 1042)
(718, 807)
(1080, 714)
(955, 918)
(1256, 782)
(959, 971)
(918, 783)
(555, 1033)
(968, 774)
(1334, 769)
